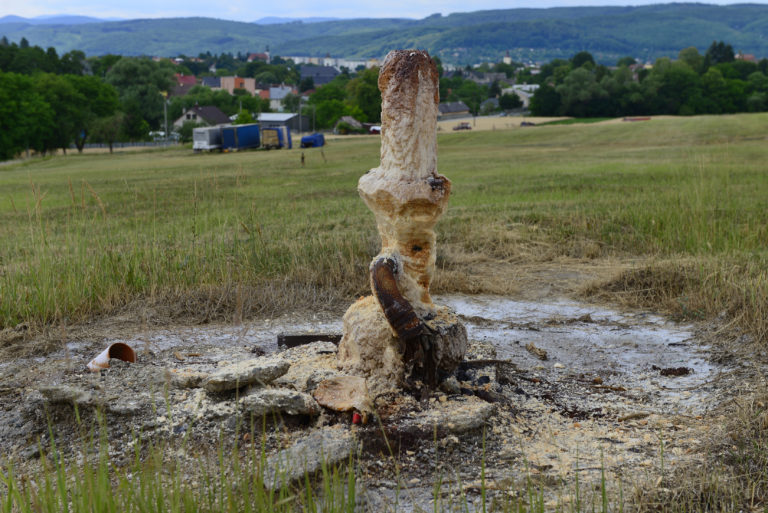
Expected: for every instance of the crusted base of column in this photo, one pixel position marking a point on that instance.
(369, 349)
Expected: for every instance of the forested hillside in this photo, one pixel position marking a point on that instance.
(645, 32)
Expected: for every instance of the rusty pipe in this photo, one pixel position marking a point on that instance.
(118, 350)
(397, 309)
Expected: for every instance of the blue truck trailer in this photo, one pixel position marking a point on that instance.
(240, 137)
(276, 137)
(313, 141)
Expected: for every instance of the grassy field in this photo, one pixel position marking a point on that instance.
(242, 234)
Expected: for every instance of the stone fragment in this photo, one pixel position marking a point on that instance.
(452, 417)
(270, 401)
(68, 394)
(345, 393)
(328, 446)
(126, 407)
(260, 371)
(182, 378)
(200, 406)
(310, 364)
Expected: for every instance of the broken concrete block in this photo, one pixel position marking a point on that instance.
(270, 401)
(328, 446)
(260, 371)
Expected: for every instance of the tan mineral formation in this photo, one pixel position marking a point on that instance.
(399, 336)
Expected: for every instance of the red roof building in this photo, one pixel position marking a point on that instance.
(258, 57)
(182, 79)
(746, 57)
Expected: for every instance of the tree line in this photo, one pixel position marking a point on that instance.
(49, 102)
(713, 83)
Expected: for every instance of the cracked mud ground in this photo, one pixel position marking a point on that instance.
(550, 390)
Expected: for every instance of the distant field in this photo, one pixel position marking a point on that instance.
(254, 233)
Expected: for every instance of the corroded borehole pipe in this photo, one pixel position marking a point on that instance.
(398, 334)
(118, 350)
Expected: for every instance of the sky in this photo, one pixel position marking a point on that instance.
(250, 10)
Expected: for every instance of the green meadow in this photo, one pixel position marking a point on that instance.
(223, 236)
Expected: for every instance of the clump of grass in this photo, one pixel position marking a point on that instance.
(731, 476)
(694, 290)
(159, 479)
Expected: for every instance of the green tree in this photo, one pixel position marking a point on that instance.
(363, 93)
(718, 52)
(472, 94)
(580, 93)
(327, 112)
(758, 82)
(673, 88)
(25, 117)
(72, 63)
(140, 83)
(510, 101)
(291, 102)
(546, 101)
(100, 101)
(582, 58)
(306, 84)
(69, 106)
(243, 118)
(756, 102)
(108, 129)
(101, 65)
(494, 91)
(626, 62)
(692, 58)
(508, 69)
(547, 72)
(187, 129)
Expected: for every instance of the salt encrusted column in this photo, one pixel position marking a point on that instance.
(399, 336)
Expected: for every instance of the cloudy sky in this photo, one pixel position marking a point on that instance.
(250, 10)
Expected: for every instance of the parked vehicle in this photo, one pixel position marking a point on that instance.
(375, 129)
(313, 141)
(276, 137)
(463, 126)
(206, 138)
(240, 137)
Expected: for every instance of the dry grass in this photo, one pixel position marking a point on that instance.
(695, 289)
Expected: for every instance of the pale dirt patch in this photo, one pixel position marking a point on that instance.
(492, 122)
(630, 119)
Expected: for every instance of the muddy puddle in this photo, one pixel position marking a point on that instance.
(638, 351)
(576, 389)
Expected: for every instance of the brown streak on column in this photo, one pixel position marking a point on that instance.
(398, 311)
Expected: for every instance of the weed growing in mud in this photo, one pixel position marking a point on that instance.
(163, 478)
(731, 476)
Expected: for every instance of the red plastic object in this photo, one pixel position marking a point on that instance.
(356, 418)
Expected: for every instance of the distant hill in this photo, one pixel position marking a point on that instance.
(273, 20)
(645, 32)
(55, 19)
